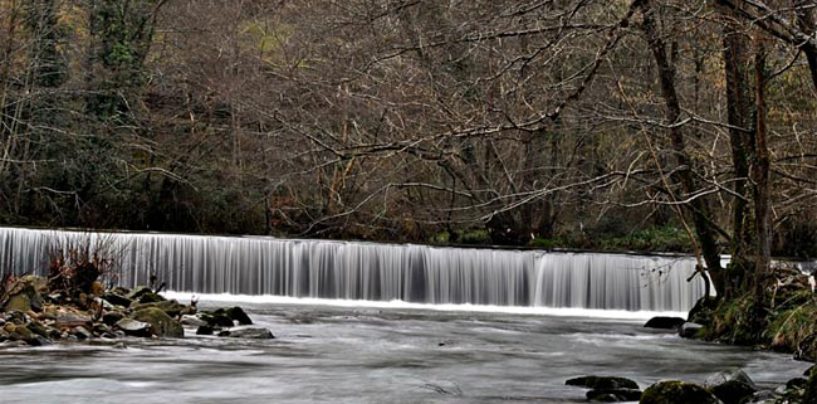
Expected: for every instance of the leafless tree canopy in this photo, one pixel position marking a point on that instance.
(401, 119)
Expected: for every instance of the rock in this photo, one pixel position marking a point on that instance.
(677, 392)
(97, 289)
(252, 332)
(160, 323)
(144, 294)
(205, 330)
(690, 330)
(796, 383)
(701, 312)
(171, 307)
(217, 319)
(82, 333)
(731, 387)
(236, 314)
(43, 331)
(116, 300)
(23, 296)
(614, 395)
(665, 323)
(72, 319)
(112, 317)
(192, 321)
(134, 328)
(602, 382)
(17, 317)
(810, 394)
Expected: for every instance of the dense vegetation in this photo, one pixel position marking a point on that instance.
(647, 124)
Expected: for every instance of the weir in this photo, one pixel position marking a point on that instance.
(254, 265)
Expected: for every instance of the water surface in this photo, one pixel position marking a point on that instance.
(377, 355)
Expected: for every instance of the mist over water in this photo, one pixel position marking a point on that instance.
(376, 272)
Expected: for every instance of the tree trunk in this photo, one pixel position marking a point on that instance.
(740, 116)
(698, 207)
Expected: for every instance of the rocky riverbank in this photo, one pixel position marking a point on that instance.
(729, 387)
(71, 304)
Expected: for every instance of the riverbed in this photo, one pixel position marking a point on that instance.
(325, 353)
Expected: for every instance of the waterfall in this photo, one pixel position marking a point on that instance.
(254, 265)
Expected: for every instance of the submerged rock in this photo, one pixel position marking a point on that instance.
(217, 319)
(665, 323)
(602, 382)
(690, 330)
(253, 333)
(614, 395)
(161, 324)
(205, 330)
(677, 392)
(731, 387)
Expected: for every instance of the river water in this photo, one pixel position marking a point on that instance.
(382, 354)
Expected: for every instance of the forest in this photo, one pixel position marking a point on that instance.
(620, 125)
(648, 124)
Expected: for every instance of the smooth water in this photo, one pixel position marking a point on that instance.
(376, 272)
(375, 355)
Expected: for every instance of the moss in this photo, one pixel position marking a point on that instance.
(735, 321)
(675, 391)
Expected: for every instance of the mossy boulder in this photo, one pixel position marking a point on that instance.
(810, 394)
(161, 324)
(171, 307)
(677, 392)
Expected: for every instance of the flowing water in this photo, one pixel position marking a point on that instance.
(363, 322)
(370, 271)
(375, 355)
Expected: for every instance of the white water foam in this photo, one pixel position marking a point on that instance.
(402, 305)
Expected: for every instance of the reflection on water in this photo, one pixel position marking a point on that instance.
(346, 354)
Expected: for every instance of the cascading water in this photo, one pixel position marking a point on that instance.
(369, 271)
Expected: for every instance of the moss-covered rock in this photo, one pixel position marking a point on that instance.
(171, 307)
(810, 394)
(161, 324)
(677, 392)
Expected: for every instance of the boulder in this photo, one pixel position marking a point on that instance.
(731, 387)
(116, 299)
(217, 319)
(134, 328)
(112, 317)
(614, 395)
(810, 393)
(68, 319)
(602, 382)
(23, 296)
(251, 332)
(236, 314)
(171, 307)
(690, 330)
(82, 333)
(677, 392)
(205, 330)
(665, 323)
(161, 324)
